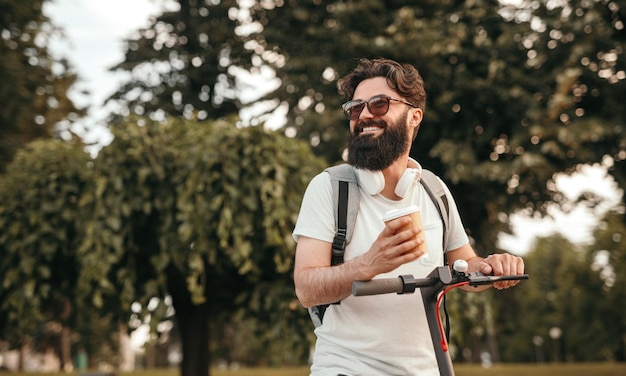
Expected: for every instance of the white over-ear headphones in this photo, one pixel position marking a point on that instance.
(373, 182)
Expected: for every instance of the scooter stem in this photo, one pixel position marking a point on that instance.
(443, 277)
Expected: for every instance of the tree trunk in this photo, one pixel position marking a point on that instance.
(193, 323)
(65, 337)
(66, 349)
(194, 329)
(492, 341)
(150, 355)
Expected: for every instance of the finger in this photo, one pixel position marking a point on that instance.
(512, 265)
(395, 225)
(497, 269)
(411, 246)
(506, 264)
(501, 264)
(485, 268)
(495, 264)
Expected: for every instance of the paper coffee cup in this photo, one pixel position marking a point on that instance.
(416, 219)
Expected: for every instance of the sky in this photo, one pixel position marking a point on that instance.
(95, 32)
(579, 224)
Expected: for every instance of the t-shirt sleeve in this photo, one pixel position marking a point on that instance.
(316, 218)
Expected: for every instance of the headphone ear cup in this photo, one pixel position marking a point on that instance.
(409, 177)
(372, 182)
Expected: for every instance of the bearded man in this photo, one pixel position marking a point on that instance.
(383, 334)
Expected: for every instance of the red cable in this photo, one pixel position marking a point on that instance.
(444, 343)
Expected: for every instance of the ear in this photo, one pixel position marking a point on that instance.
(415, 119)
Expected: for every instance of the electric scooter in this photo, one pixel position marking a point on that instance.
(433, 288)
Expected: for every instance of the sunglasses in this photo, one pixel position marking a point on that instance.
(377, 106)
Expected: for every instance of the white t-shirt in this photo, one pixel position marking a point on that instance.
(382, 334)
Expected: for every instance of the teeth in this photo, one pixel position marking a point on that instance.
(369, 129)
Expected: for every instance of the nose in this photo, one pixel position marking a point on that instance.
(366, 113)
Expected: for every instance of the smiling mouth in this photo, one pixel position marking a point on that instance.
(369, 128)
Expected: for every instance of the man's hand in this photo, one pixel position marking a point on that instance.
(396, 245)
(501, 264)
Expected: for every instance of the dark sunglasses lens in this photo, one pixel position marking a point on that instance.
(353, 110)
(378, 106)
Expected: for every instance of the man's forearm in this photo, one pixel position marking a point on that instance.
(325, 285)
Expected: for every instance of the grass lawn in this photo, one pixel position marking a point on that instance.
(578, 369)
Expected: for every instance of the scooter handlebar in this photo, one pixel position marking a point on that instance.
(407, 284)
(404, 284)
(378, 286)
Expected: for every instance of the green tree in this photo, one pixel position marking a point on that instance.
(516, 94)
(40, 225)
(34, 85)
(182, 65)
(575, 52)
(202, 212)
(607, 257)
(573, 288)
(549, 299)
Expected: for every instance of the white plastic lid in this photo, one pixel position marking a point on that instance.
(397, 213)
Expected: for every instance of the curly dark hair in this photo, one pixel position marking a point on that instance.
(403, 78)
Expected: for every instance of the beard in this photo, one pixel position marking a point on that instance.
(378, 152)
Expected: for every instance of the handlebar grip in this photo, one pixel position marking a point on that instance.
(378, 286)
(477, 279)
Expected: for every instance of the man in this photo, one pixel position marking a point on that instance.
(383, 334)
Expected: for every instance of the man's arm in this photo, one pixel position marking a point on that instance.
(315, 280)
(319, 283)
(496, 264)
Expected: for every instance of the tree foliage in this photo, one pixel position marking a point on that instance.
(607, 258)
(578, 289)
(202, 212)
(182, 64)
(516, 93)
(40, 231)
(35, 84)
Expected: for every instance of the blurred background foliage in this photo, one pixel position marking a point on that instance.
(34, 85)
(193, 202)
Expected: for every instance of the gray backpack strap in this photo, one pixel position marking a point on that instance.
(346, 196)
(435, 189)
